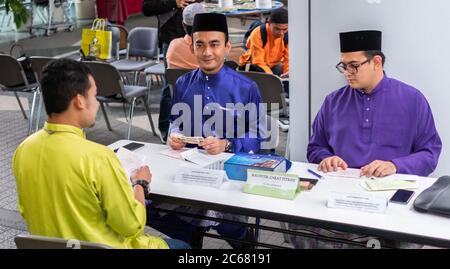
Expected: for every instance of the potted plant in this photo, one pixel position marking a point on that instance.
(18, 9)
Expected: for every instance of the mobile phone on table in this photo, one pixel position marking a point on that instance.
(132, 146)
(401, 196)
(310, 180)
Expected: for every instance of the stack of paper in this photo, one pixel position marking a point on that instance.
(387, 184)
(130, 160)
(197, 157)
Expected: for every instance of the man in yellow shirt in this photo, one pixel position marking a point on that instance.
(267, 46)
(70, 187)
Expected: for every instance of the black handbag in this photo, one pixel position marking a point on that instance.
(435, 199)
(24, 60)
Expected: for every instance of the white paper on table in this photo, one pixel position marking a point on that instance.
(174, 153)
(387, 184)
(348, 173)
(130, 160)
(197, 157)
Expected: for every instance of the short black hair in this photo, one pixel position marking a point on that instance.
(62, 80)
(280, 15)
(372, 53)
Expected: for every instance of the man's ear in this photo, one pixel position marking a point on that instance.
(79, 102)
(228, 47)
(377, 61)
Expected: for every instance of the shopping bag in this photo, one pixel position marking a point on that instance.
(96, 41)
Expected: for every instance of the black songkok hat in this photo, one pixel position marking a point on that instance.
(360, 41)
(205, 22)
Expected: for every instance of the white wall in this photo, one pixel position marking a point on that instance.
(298, 67)
(416, 41)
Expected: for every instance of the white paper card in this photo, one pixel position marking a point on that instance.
(200, 176)
(358, 202)
(347, 173)
(130, 160)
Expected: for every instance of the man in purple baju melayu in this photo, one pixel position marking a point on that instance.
(375, 123)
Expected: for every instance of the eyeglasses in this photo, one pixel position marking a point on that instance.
(351, 68)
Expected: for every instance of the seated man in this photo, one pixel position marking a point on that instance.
(179, 53)
(267, 45)
(376, 123)
(70, 187)
(213, 85)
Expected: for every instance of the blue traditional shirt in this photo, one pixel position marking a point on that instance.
(215, 93)
(392, 123)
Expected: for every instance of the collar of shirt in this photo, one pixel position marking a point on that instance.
(56, 128)
(379, 88)
(211, 78)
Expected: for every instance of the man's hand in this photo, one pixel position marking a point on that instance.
(143, 173)
(214, 145)
(379, 169)
(332, 164)
(175, 141)
(183, 3)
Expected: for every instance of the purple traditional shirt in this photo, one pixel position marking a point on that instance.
(392, 123)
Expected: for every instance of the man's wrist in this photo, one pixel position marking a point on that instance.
(142, 183)
(394, 165)
(228, 145)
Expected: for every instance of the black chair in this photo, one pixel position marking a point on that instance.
(271, 90)
(14, 79)
(172, 75)
(38, 63)
(111, 89)
(142, 44)
(118, 40)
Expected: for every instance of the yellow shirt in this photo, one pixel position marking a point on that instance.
(275, 52)
(72, 188)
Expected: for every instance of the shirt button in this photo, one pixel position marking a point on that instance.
(207, 78)
(367, 120)
(368, 99)
(367, 109)
(207, 97)
(209, 88)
